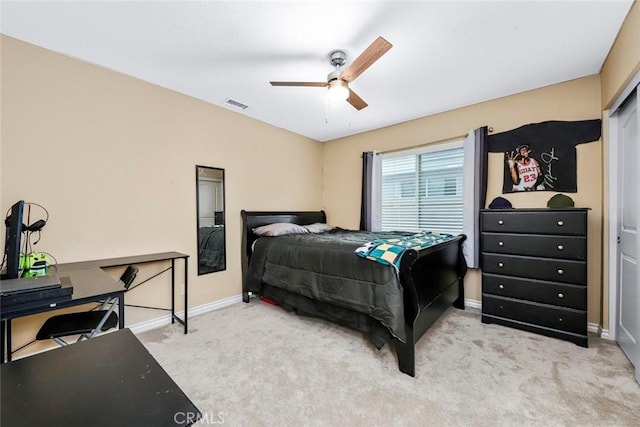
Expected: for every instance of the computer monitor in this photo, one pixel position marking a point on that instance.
(13, 240)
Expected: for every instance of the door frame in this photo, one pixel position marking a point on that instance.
(611, 114)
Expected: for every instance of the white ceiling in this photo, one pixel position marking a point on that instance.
(445, 55)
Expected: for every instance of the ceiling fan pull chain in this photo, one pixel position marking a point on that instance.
(326, 111)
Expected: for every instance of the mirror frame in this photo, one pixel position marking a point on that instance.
(224, 232)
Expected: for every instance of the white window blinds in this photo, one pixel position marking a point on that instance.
(423, 191)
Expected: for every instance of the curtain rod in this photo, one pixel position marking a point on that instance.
(489, 130)
(421, 145)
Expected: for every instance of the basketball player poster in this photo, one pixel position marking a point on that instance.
(542, 156)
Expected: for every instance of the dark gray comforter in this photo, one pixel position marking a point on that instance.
(211, 250)
(325, 268)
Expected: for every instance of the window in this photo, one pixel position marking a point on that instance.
(422, 190)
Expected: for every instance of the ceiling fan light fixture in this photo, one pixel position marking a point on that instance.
(338, 90)
(338, 80)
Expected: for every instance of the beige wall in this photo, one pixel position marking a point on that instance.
(623, 61)
(574, 100)
(113, 160)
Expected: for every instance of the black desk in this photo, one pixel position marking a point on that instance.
(89, 285)
(143, 259)
(110, 380)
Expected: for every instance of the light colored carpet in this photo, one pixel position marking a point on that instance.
(255, 364)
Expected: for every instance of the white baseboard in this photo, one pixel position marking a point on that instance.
(604, 334)
(472, 303)
(158, 322)
(217, 305)
(148, 325)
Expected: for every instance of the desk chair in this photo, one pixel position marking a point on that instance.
(89, 323)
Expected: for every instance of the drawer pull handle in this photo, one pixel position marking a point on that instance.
(500, 222)
(500, 244)
(502, 306)
(500, 265)
(560, 223)
(560, 295)
(560, 271)
(501, 286)
(560, 247)
(560, 319)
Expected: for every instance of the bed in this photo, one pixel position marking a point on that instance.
(211, 249)
(319, 275)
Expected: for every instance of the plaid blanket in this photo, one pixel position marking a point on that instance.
(389, 251)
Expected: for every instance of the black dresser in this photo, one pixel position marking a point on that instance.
(534, 270)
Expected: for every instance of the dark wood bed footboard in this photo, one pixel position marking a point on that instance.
(432, 279)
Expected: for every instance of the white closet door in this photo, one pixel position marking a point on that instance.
(628, 322)
(207, 202)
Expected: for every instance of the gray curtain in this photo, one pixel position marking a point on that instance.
(480, 153)
(482, 161)
(367, 185)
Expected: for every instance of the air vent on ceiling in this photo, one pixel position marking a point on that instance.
(235, 104)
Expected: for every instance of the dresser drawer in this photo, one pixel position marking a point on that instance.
(565, 295)
(535, 222)
(567, 247)
(564, 319)
(555, 270)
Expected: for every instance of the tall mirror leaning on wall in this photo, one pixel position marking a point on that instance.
(210, 211)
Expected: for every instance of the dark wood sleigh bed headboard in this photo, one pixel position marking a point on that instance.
(254, 219)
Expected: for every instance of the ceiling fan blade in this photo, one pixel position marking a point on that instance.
(370, 55)
(318, 84)
(357, 102)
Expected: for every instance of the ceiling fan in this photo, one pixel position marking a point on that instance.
(338, 81)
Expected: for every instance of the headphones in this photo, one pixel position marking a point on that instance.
(36, 226)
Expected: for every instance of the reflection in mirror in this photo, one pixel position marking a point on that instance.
(210, 204)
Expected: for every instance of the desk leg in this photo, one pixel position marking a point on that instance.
(186, 289)
(121, 310)
(173, 290)
(8, 348)
(2, 340)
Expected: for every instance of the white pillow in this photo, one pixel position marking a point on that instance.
(318, 227)
(280, 229)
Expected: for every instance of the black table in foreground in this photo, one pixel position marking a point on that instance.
(110, 380)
